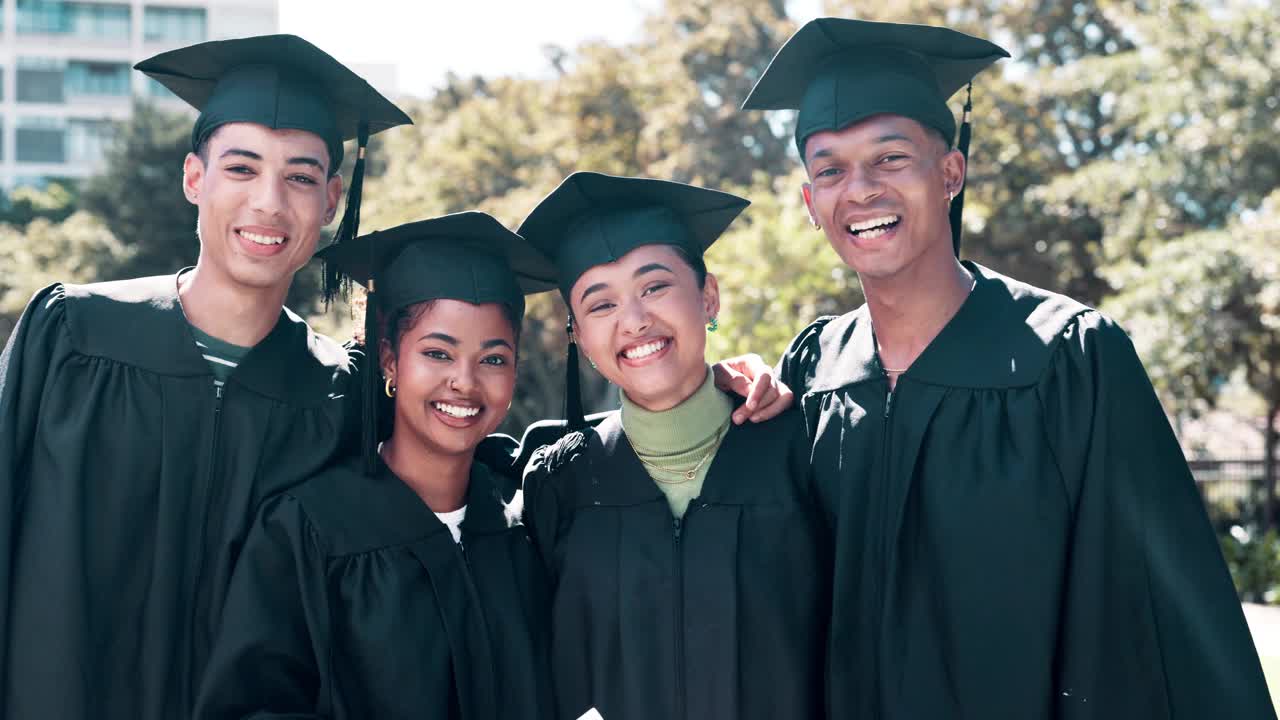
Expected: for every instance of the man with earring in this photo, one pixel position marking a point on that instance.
(1017, 534)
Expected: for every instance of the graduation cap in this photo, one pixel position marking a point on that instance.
(466, 256)
(837, 71)
(282, 82)
(592, 219)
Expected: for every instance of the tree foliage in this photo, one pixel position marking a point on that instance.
(1126, 155)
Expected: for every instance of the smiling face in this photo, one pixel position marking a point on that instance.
(642, 321)
(454, 373)
(879, 189)
(263, 196)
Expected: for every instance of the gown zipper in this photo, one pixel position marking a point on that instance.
(206, 491)
(678, 527)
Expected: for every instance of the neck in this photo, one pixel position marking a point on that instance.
(682, 393)
(238, 315)
(909, 309)
(440, 480)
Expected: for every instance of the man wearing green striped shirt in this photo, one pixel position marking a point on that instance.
(142, 421)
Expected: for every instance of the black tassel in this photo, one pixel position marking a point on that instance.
(957, 204)
(573, 415)
(335, 283)
(372, 374)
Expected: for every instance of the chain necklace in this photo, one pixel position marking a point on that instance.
(684, 475)
(892, 371)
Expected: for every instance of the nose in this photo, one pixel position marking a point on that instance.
(268, 198)
(862, 186)
(463, 378)
(635, 318)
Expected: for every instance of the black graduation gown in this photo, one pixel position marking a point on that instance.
(720, 615)
(127, 486)
(1017, 532)
(352, 600)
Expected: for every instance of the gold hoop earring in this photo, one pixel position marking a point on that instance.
(389, 389)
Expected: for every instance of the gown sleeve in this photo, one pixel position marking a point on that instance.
(795, 366)
(1151, 626)
(269, 658)
(546, 487)
(25, 365)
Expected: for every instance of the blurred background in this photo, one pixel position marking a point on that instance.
(1129, 155)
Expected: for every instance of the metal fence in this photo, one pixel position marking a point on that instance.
(1233, 490)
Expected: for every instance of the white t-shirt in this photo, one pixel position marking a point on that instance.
(454, 521)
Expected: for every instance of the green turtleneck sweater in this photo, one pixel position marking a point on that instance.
(678, 439)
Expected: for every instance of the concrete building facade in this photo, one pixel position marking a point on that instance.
(66, 74)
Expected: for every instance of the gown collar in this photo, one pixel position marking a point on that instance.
(1002, 336)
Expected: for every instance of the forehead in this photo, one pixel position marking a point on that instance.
(624, 267)
(868, 133)
(464, 320)
(268, 141)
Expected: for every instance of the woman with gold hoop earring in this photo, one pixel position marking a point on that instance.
(401, 584)
(688, 557)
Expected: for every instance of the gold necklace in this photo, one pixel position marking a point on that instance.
(685, 475)
(891, 371)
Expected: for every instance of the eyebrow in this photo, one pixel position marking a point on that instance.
(891, 137)
(299, 160)
(651, 267)
(451, 340)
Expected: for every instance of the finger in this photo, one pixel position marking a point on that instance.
(781, 402)
(762, 392)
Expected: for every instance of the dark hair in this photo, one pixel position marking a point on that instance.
(695, 263)
(202, 152)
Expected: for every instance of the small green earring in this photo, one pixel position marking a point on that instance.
(593, 364)
(714, 325)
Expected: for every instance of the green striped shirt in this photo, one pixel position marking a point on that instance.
(222, 356)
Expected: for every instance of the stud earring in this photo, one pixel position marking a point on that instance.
(951, 196)
(389, 389)
(815, 224)
(714, 325)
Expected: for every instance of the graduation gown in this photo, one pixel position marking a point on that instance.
(127, 484)
(1017, 532)
(352, 600)
(722, 614)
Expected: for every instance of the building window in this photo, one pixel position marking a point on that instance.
(173, 24)
(40, 140)
(40, 80)
(88, 140)
(97, 78)
(88, 20)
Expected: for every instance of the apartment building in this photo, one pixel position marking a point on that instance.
(66, 72)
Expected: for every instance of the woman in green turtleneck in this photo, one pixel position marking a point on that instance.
(690, 560)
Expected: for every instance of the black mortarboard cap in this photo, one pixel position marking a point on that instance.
(282, 82)
(466, 256)
(837, 71)
(592, 219)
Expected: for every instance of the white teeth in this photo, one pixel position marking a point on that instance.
(644, 351)
(456, 410)
(262, 239)
(875, 223)
(872, 234)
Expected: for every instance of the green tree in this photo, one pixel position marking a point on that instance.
(138, 194)
(1205, 307)
(76, 249)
